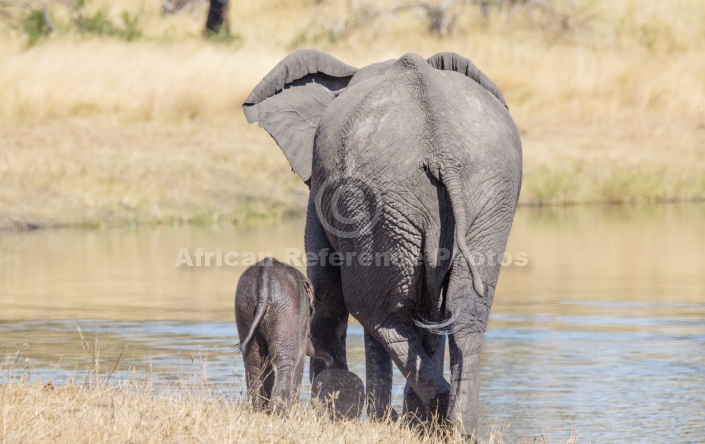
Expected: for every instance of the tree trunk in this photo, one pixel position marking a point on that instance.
(217, 20)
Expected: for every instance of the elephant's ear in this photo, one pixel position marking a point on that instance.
(450, 61)
(290, 100)
(309, 293)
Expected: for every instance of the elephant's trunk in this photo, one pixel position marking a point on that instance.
(451, 182)
(262, 300)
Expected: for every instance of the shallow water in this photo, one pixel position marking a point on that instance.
(601, 332)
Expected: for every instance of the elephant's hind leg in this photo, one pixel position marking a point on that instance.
(286, 353)
(283, 390)
(421, 372)
(330, 317)
(434, 345)
(471, 313)
(487, 239)
(268, 376)
(396, 333)
(258, 374)
(379, 374)
(384, 298)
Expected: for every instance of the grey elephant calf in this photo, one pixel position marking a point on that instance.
(273, 308)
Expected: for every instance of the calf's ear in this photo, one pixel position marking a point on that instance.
(289, 102)
(309, 292)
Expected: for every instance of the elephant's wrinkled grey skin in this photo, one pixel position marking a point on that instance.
(416, 159)
(273, 308)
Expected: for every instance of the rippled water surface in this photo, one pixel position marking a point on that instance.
(601, 332)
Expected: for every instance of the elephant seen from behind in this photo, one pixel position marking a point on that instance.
(273, 307)
(414, 168)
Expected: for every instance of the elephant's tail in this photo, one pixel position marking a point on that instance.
(437, 328)
(452, 183)
(262, 300)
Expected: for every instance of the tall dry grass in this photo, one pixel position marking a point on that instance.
(130, 412)
(110, 402)
(608, 97)
(619, 59)
(133, 408)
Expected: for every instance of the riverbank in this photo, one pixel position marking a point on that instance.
(98, 131)
(98, 172)
(136, 412)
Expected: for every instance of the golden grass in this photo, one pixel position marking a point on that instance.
(96, 408)
(136, 412)
(100, 405)
(97, 172)
(102, 131)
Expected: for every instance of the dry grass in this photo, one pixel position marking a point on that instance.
(127, 412)
(608, 96)
(96, 408)
(97, 172)
(108, 402)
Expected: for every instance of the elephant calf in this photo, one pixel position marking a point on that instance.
(273, 308)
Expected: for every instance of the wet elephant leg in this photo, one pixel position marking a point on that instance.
(465, 352)
(282, 392)
(379, 371)
(434, 345)
(422, 374)
(255, 358)
(268, 376)
(383, 297)
(471, 313)
(298, 377)
(329, 322)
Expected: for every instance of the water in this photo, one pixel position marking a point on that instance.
(601, 332)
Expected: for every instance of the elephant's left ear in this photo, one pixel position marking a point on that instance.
(450, 61)
(290, 101)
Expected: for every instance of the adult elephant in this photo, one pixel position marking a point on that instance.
(414, 168)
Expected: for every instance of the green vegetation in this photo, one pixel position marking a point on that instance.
(35, 26)
(37, 23)
(98, 23)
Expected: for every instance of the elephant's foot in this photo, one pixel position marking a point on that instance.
(340, 393)
(278, 406)
(259, 403)
(328, 339)
(388, 414)
(379, 372)
(438, 407)
(469, 439)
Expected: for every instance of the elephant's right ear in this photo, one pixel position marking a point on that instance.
(290, 101)
(450, 61)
